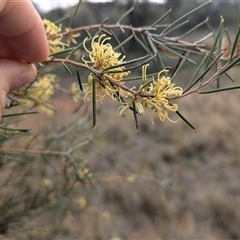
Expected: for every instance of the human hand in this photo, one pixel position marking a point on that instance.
(22, 41)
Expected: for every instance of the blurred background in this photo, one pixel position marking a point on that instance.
(166, 181)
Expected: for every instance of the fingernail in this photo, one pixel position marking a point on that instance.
(24, 79)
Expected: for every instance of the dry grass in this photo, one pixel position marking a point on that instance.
(165, 182)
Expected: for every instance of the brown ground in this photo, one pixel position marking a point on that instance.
(176, 184)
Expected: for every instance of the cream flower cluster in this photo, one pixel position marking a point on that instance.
(101, 57)
(155, 95)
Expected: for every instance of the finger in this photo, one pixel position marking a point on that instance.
(13, 75)
(22, 29)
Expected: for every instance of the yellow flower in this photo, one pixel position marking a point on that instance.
(140, 109)
(46, 108)
(101, 57)
(74, 90)
(42, 89)
(155, 96)
(103, 88)
(131, 178)
(39, 93)
(54, 36)
(47, 184)
(106, 215)
(102, 54)
(81, 202)
(71, 37)
(162, 89)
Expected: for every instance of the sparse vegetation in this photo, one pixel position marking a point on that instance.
(66, 180)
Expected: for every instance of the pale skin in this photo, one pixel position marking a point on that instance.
(22, 41)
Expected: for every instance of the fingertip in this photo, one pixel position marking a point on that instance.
(22, 29)
(25, 77)
(42, 49)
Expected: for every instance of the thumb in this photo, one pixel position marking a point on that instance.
(13, 75)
